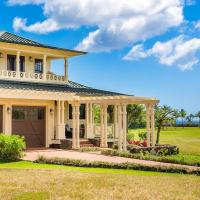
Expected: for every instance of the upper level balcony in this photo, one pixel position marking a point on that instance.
(23, 66)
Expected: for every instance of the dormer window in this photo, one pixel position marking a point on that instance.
(38, 66)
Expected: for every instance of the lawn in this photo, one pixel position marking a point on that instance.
(26, 180)
(187, 139)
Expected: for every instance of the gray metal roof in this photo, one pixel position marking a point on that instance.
(71, 87)
(12, 38)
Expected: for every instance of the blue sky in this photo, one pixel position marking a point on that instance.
(146, 48)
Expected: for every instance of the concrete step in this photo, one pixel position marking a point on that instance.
(87, 145)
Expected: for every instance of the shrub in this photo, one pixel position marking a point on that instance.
(145, 155)
(11, 147)
(142, 135)
(89, 149)
(126, 165)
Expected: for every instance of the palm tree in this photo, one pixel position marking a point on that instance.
(198, 115)
(189, 118)
(183, 114)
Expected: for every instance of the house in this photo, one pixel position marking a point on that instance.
(43, 106)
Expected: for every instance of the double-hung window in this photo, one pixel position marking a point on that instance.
(38, 66)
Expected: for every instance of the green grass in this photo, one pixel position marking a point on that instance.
(187, 139)
(31, 165)
(27, 180)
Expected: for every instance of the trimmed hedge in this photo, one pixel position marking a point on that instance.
(143, 156)
(11, 147)
(89, 149)
(126, 165)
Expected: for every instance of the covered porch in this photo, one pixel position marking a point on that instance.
(101, 134)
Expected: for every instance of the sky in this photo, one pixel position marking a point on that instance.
(145, 48)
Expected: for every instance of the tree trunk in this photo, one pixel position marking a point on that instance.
(158, 134)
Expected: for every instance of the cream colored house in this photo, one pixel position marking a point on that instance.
(45, 107)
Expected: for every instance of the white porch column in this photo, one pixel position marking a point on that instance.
(44, 66)
(66, 69)
(87, 121)
(102, 126)
(115, 122)
(7, 119)
(78, 126)
(105, 119)
(91, 121)
(74, 143)
(18, 64)
(124, 113)
(148, 125)
(120, 131)
(152, 125)
(60, 127)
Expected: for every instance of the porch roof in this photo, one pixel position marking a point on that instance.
(70, 87)
(72, 92)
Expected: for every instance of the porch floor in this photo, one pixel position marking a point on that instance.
(32, 155)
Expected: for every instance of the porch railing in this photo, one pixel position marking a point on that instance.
(27, 76)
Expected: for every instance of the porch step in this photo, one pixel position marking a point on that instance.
(87, 145)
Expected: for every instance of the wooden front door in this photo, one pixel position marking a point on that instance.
(1, 119)
(30, 123)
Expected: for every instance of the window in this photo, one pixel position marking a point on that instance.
(37, 114)
(22, 64)
(82, 111)
(19, 114)
(11, 62)
(38, 66)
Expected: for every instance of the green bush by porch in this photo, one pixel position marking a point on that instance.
(11, 147)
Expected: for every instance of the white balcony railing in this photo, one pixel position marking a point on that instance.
(36, 77)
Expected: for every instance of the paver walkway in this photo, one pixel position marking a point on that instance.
(32, 155)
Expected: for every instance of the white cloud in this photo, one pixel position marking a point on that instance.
(118, 23)
(136, 53)
(41, 28)
(179, 51)
(25, 2)
(197, 25)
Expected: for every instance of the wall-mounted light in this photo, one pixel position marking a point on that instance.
(1, 55)
(9, 110)
(51, 111)
(30, 58)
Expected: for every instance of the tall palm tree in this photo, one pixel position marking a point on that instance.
(189, 119)
(183, 114)
(198, 115)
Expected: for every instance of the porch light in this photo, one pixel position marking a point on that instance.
(51, 111)
(30, 58)
(9, 110)
(1, 55)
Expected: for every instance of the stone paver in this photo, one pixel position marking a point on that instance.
(32, 155)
